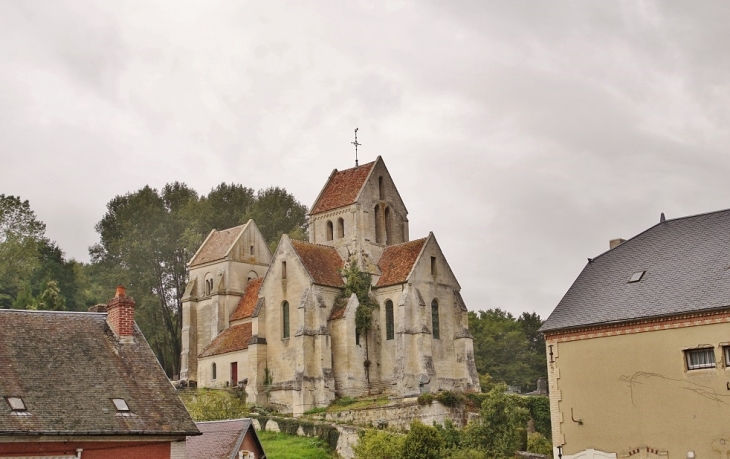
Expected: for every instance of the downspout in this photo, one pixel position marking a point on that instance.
(78, 453)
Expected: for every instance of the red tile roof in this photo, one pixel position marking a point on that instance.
(233, 338)
(397, 262)
(216, 246)
(323, 263)
(342, 188)
(248, 301)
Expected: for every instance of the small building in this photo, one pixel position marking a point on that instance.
(638, 349)
(230, 439)
(75, 384)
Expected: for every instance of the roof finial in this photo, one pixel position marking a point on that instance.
(356, 145)
(662, 218)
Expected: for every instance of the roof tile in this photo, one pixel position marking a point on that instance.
(216, 247)
(248, 301)
(397, 262)
(342, 188)
(323, 263)
(220, 439)
(233, 338)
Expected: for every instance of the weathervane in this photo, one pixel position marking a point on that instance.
(356, 145)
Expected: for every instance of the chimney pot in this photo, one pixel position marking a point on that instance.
(120, 315)
(121, 291)
(613, 243)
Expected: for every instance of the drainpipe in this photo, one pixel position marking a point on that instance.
(78, 453)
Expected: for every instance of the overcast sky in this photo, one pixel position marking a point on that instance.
(525, 135)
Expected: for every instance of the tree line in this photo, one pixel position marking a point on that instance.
(146, 238)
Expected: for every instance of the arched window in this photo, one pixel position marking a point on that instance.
(285, 319)
(329, 231)
(381, 194)
(378, 230)
(215, 373)
(435, 318)
(389, 322)
(388, 227)
(208, 284)
(340, 228)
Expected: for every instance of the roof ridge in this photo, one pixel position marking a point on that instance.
(408, 242)
(313, 243)
(223, 420)
(45, 311)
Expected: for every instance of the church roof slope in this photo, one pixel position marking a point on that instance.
(233, 338)
(323, 263)
(685, 269)
(397, 262)
(248, 301)
(342, 188)
(68, 366)
(216, 246)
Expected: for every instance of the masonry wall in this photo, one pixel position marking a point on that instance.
(620, 392)
(223, 369)
(91, 449)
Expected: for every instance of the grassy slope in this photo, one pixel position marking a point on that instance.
(282, 446)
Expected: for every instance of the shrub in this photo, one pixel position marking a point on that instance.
(425, 399)
(467, 454)
(214, 405)
(536, 443)
(448, 398)
(344, 401)
(539, 407)
(422, 442)
(380, 444)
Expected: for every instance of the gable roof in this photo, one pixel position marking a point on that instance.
(220, 439)
(342, 188)
(233, 338)
(248, 301)
(397, 262)
(686, 262)
(67, 366)
(216, 245)
(322, 262)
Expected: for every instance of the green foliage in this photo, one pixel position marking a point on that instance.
(277, 212)
(214, 405)
(344, 401)
(499, 430)
(537, 443)
(467, 454)
(283, 446)
(359, 282)
(51, 299)
(450, 399)
(509, 350)
(426, 399)
(539, 408)
(380, 444)
(451, 435)
(422, 442)
(316, 410)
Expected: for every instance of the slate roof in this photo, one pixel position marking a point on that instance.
(248, 301)
(342, 188)
(220, 439)
(687, 263)
(67, 366)
(397, 262)
(322, 262)
(233, 338)
(216, 246)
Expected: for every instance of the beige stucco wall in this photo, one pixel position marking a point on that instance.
(635, 390)
(223, 369)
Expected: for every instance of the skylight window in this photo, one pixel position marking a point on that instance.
(637, 276)
(16, 403)
(120, 404)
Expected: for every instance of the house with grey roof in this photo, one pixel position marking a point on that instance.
(638, 348)
(229, 439)
(86, 385)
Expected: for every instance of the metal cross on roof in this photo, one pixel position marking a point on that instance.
(356, 145)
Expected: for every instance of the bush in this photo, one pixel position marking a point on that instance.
(425, 399)
(536, 443)
(467, 454)
(422, 442)
(448, 398)
(344, 401)
(214, 405)
(539, 407)
(380, 444)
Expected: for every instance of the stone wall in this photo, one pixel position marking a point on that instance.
(400, 415)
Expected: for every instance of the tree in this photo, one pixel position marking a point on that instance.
(17, 220)
(51, 299)
(380, 444)
(277, 212)
(422, 442)
(498, 431)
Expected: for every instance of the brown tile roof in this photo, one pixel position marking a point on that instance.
(216, 246)
(233, 338)
(397, 262)
(248, 300)
(221, 439)
(67, 366)
(323, 263)
(342, 188)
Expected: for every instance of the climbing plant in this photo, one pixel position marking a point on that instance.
(358, 282)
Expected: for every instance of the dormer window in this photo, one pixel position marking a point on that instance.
(16, 404)
(121, 405)
(637, 276)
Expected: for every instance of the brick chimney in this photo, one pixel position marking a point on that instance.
(120, 315)
(613, 243)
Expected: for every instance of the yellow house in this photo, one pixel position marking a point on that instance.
(638, 349)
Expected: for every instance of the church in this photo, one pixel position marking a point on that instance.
(280, 326)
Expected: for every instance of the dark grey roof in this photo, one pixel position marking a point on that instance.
(222, 439)
(686, 262)
(68, 366)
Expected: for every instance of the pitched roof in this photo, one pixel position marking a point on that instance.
(322, 262)
(68, 366)
(248, 301)
(397, 262)
(220, 439)
(216, 246)
(342, 188)
(233, 338)
(686, 262)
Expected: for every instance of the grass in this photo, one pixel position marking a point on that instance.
(283, 446)
(355, 404)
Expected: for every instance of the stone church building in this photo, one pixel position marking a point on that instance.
(278, 324)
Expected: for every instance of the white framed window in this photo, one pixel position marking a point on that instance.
(700, 358)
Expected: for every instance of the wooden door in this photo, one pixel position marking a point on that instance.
(234, 373)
